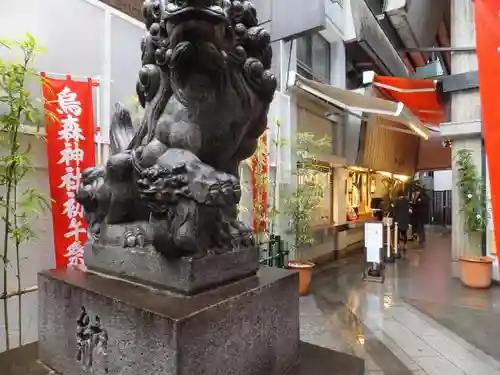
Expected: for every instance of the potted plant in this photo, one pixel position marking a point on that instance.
(475, 269)
(303, 202)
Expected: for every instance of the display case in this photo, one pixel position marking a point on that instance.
(358, 193)
(319, 177)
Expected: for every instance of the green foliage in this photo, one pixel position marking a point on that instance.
(309, 146)
(19, 208)
(472, 194)
(303, 202)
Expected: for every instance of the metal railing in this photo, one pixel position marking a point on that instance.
(274, 252)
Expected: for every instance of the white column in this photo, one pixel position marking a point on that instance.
(464, 128)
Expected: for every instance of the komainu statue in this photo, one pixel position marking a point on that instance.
(206, 87)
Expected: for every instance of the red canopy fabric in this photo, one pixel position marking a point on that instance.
(418, 95)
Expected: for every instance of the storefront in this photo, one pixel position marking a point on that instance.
(386, 130)
(320, 175)
(360, 185)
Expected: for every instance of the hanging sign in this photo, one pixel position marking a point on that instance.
(70, 146)
(487, 24)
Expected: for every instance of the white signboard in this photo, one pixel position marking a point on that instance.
(374, 241)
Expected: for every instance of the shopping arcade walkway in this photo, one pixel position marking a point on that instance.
(417, 322)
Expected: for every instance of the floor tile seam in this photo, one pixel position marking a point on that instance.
(430, 344)
(440, 328)
(457, 368)
(361, 320)
(452, 336)
(419, 335)
(476, 352)
(386, 338)
(492, 366)
(410, 355)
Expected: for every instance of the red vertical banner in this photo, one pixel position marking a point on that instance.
(487, 23)
(260, 185)
(70, 147)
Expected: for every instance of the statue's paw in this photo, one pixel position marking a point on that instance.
(222, 241)
(94, 231)
(242, 236)
(233, 234)
(134, 238)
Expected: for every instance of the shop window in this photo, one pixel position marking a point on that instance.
(313, 57)
(317, 180)
(359, 189)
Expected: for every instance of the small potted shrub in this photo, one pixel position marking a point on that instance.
(301, 205)
(475, 269)
(303, 202)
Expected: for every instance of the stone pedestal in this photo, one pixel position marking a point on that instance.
(133, 312)
(246, 327)
(186, 276)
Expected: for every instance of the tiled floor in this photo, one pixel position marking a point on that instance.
(420, 321)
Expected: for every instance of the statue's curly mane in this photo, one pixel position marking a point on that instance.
(209, 61)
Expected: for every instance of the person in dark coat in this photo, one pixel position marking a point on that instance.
(420, 213)
(402, 217)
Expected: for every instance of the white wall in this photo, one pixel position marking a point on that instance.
(349, 28)
(82, 38)
(422, 17)
(443, 180)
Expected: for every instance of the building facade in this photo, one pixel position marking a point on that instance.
(334, 43)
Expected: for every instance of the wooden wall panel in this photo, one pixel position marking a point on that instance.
(388, 150)
(432, 156)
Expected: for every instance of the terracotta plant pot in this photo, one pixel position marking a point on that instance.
(476, 272)
(304, 269)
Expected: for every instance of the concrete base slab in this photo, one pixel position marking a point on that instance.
(313, 360)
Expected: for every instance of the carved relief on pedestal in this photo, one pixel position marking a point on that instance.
(91, 343)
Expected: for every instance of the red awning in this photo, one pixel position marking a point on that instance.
(418, 95)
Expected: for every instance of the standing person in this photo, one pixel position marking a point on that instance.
(413, 223)
(421, 212)
(402, 217)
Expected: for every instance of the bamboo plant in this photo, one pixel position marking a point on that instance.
(472, 189)
(303, 202)
(19, 206)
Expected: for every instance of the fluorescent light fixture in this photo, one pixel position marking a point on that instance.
(402, 177)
